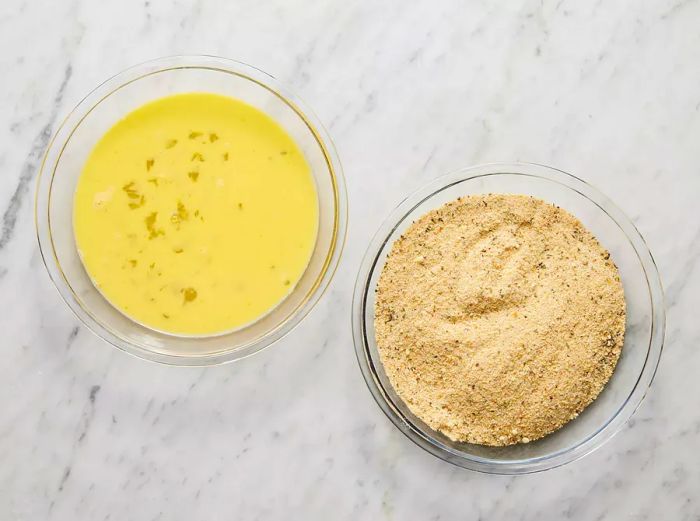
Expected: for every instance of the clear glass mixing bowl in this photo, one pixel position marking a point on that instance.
(103, 107)
(644, 334)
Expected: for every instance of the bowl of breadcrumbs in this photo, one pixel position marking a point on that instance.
(508, 318)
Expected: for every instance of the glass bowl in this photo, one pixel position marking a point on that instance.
(103, 107)
(644, 334)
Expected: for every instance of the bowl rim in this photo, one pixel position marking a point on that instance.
(422, 438)
(132, 74)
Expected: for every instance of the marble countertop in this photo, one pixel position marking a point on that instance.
(408, 90)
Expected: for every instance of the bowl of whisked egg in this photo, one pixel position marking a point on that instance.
(191, 210)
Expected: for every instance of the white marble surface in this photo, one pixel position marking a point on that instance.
(409, 90)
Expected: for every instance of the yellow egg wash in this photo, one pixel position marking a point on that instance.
(195, 214)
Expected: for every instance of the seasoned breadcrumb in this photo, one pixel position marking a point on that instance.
(498, 318)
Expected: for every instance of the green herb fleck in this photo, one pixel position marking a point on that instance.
(197, 157)
(149, 164)
(181, 215)
(193, 175)
(194, 135)
(213, 137)
(182, 212)
(189, 294)
(131, 192)
(137, 204)
(170, 143)
(150, 221)
(137, 200)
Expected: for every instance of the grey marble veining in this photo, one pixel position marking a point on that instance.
(408, 90)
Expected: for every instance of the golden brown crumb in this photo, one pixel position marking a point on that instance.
(498, 318)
